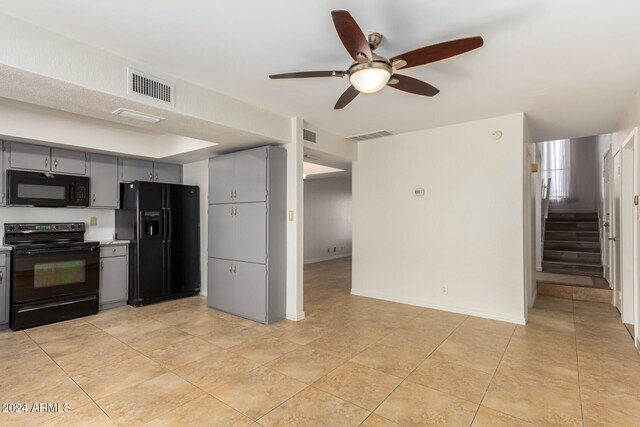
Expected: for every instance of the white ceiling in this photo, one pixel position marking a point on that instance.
(571, 65)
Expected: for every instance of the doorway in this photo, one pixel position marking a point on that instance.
(625, 233)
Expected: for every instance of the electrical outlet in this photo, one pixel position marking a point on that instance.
(93, 220)
(445, 290)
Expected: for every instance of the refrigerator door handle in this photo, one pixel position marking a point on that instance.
(170, 221)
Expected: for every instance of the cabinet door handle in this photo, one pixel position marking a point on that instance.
(235, 195)
(46, 162)
(101, 265)
(230, 268)
(55, 163)
(234, 269)
(231, 195)
(235, 211)
(151, 176)
(1, 276)
(156, 177)
(113, 250)
(232, 211)
(94, 198)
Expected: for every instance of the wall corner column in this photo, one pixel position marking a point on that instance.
(295, 225)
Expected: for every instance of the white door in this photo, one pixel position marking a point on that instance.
(626, 236)
(615, 229)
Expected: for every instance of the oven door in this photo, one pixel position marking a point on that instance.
(41, 273)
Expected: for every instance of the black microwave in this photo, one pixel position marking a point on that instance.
(46, 189)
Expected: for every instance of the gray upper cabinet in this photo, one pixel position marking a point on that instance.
(251, 176)
(239, 177)
(221, 174)
(135, 170)
(68, 161)
(45, 159)
(28, 156)
(104, 181)
(167, 173)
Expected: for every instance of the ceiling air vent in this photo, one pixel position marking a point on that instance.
(308, 135)
(372, 135)
(151, 88)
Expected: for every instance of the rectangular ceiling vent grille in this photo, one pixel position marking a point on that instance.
(308, 135)
(150, 87)
(372, 135)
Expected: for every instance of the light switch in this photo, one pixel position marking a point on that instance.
(291, 216)
(93, 220)
(418, 192)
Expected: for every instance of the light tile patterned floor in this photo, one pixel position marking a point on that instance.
(353, 361)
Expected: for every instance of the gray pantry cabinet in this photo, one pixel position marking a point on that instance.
(114, 275)
(44, 159)
(247, 233)
(5, 278)
(104, 181)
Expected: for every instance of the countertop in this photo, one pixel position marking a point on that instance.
(5, 248)
(114, 242)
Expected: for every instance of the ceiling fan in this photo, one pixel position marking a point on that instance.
(370, 72)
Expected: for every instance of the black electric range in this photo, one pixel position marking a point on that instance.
(55, 273)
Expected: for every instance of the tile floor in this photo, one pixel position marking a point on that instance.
(353, 361)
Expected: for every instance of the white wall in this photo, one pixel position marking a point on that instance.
(197, 173)
(327, 218)
(586, 175)
(104, 229)
(465, 234)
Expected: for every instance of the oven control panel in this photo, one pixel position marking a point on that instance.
(46, 228)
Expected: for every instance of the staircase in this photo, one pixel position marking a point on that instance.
(572, 244)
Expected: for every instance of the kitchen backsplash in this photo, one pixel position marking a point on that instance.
(104, 229)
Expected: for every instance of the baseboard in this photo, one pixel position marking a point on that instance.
(311, 261)
(426, 304)
(295, 317)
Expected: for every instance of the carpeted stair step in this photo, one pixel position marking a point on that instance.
(585, 269)
(572, 216)
(571, 225)
(580, 236)
(572, 256)
(568, 245)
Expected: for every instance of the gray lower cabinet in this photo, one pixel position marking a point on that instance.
(3, 190)
(167, 173)
(114, 276)
(4, 287)
(247, 234)
(104, 181)
(135, 170)
(242, 288)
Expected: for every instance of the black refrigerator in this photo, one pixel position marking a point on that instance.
(162, 221)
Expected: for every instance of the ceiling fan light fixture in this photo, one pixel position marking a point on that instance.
(370, 77)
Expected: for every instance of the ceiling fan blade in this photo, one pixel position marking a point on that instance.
(352, 36)
(436, 52)
(348, 96)
(308, 74)
(411, 85)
